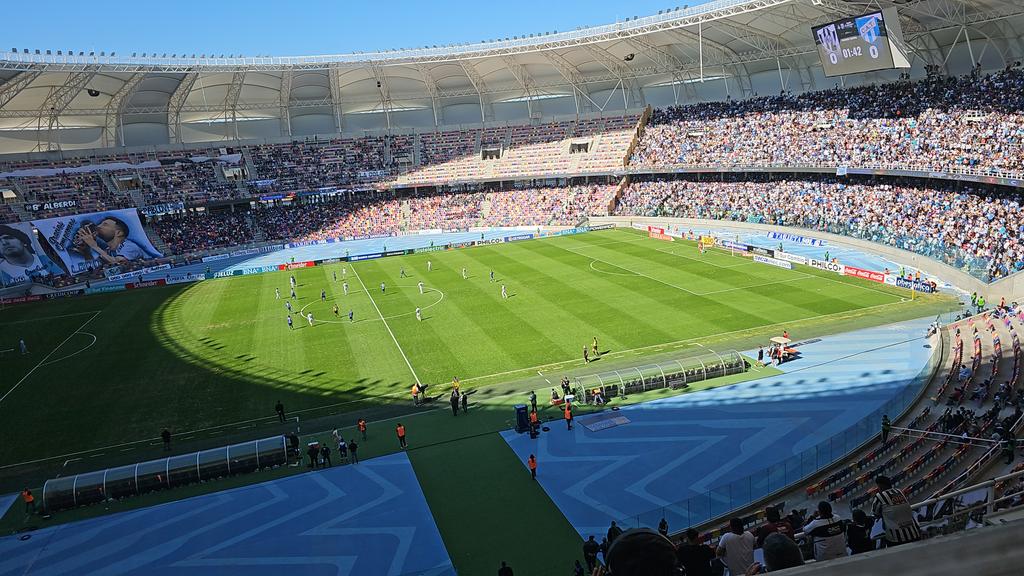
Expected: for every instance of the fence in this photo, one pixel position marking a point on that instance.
(719, 501)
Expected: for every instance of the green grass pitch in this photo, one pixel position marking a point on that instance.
(109, 369)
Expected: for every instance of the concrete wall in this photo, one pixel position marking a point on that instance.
(1011, 288)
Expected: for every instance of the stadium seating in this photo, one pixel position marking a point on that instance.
(966, 226)
(942, 124)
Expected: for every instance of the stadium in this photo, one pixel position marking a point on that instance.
(731, 287)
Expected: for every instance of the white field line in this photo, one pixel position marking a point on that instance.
(25, 320)
(386, 325)
(47, 357)
(77, 352)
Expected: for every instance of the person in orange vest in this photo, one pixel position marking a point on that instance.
(534, 423)
(30, 501)
(568, 418)
(400, 430)
(416, 394)
(532, 463)
(361, 424)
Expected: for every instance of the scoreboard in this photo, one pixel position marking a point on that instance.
(860, 44)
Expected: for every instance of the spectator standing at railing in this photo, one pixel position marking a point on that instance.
(892, 506)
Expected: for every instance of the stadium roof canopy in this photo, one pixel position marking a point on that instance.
(61, 99)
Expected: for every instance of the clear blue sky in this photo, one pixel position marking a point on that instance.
(296, 27)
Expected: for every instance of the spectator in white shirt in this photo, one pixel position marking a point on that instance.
(736, 548)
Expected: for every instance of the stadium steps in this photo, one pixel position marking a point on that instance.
(982, 463)
(798, 497)
(938, 462)
(158, 242)
(250, 166)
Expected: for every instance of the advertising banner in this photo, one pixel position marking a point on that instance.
(865, 274)
(660, 236)
(64, 294)
(515, 237)
(762, 251)
(429, 249)
(359, 257)
(735, 246)
(145, 284)
(296, 265)
(22, 259)
(656, 229)
(794, 258)
(603, 227)
(216, 257)
(773, 262)
(165, 208)
(22, 299)
(58, 205)
(796, 238)
(909, 284)
(826, 265)
(89, 241)
(105, 289)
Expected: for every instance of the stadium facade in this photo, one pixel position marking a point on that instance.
(58, 99)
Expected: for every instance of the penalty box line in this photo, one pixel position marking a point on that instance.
(47, 357)
(386, 325)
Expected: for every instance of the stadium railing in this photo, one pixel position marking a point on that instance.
(718, 502)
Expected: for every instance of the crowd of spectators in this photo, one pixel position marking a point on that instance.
(196, 231)
(973, 227)
(968, 123)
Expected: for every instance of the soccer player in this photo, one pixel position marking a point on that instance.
(504, 293)
(335, 310)
(418, 316)
(24, 348)
(401, 273)
(309, 318)
(586, 355)
(293, 293)
(323, 295)
(291, 280)
(596, 352)
(277, 293)
(463, 273)
(420, 285)
(382, 288)
(288, 305)
(429, 266)
(290, 327)
(492, 275)
(344, 286)
(334, 274)
(344, 271)
(351, 316)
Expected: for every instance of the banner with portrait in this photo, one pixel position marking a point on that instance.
(22, 259)
(95, 240)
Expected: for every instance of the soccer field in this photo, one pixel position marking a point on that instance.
(109, 369)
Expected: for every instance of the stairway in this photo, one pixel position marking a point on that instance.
(250, 166)
(405, 212)
(157, 241)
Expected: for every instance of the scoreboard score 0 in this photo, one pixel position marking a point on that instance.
(860, 44)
